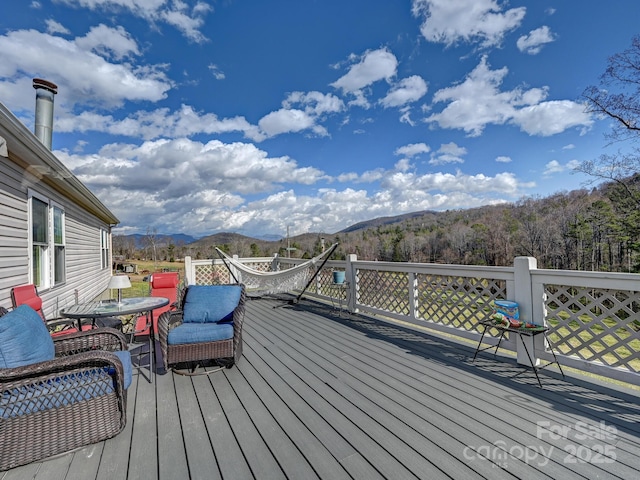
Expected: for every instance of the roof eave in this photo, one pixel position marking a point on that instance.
(27, 151)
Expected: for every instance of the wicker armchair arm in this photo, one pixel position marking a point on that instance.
(90, 340)
(42, 371)
(168, 320)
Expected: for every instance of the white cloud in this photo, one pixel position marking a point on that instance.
(176, 13)
(406, 117)
(408, 90)
(503, 159)
(412, 149)
(555, 166)
(54, 27)
(187, 122)
(285, 121)
(533, 42)
(371, 67)
(107, 41)
(550, 118)
(184, 179)
(84, 76)
(451, 21)
(315, 103)
(189, 23)
(200, 187)
(458, 182)
(216, 72)
(448, 153)
(331, 210)
(478, 101)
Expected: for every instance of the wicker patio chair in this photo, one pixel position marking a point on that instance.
(52, 406)
(190, 333)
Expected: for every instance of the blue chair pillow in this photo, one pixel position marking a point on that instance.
(210, 303)
(125, 359)
(24, 338)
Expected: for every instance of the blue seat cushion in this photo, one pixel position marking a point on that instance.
(125, 359)
(210, 303)
(199, 333)
(24, 338)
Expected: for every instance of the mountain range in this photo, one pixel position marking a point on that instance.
(228, 237)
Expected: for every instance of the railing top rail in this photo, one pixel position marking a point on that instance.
(496, 272)
(603, 280)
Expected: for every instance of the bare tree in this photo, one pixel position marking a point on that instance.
(618, 98)
(151, 240)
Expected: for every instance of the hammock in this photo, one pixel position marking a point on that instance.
(281, 281)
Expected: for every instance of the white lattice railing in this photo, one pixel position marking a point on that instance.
(594, 317)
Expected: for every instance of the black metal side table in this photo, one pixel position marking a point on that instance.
(520, 331)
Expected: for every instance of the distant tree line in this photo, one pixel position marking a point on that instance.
(597, 230)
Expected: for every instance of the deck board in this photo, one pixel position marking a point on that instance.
(319, 395)
(172, 438)
(229, 457)
(143, 453)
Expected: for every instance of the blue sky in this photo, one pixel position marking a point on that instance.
(251, 116)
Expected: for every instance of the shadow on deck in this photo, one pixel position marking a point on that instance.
(320, 396)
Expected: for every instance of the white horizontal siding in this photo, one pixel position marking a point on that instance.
(84, 278)
(13, 230)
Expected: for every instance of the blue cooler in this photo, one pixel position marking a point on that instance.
(505, 307)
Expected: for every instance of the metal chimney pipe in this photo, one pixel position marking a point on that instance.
(45, 91)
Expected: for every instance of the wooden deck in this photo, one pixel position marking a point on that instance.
(320, 396)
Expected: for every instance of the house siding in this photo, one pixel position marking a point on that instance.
(85, 217)
(14, 260)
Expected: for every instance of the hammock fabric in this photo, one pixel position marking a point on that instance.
(294, 278)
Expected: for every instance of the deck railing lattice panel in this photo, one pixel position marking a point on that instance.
(384, 290)
(218, 274)
(457, 301)
(597, 325)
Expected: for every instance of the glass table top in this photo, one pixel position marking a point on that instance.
(107, 308)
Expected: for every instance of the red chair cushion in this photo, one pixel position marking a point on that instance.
(27, 295)
(164, 280)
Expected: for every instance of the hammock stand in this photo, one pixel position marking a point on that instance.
(291, 271)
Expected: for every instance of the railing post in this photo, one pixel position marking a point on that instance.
(523, 295)
(189, 274)
(352, 288)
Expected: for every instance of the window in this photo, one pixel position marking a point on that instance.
(47, 242)
(58, 246)
(104, 247)
(40, 240)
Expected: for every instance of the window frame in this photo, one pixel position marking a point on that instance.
(105, 262)
(47, 256)
(59, 247)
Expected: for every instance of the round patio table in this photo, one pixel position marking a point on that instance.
(110, 308)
